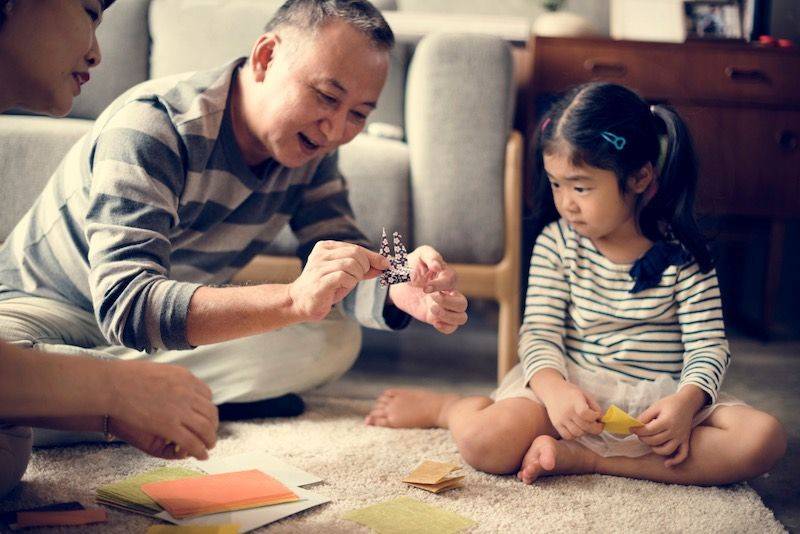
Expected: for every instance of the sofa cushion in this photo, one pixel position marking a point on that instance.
(377, 173)
(125, 51)
(445, 115)
(32, 148)
(188, 35)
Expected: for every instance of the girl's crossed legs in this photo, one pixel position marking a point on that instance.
(734, 443)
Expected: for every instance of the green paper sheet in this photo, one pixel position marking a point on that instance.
(127, 493)
(405, 515)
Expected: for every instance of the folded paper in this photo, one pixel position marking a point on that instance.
(618, 422)
(398, 271)
(128, 495)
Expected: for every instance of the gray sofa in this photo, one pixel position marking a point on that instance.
(438, 161)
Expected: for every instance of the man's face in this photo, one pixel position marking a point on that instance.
(51, 45)
(314, 93)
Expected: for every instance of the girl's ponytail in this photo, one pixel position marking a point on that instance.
(673, 202)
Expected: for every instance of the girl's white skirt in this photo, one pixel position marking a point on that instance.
(607, 388)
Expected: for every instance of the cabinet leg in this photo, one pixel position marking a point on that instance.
(772, 273)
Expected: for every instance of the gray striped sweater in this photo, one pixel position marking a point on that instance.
(579, 308)
(155, 201)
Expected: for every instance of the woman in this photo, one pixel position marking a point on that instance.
(47, 48)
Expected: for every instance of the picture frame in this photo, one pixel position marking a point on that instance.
(714, 19)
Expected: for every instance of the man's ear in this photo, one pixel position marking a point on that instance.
(639, 181)
(262, 54)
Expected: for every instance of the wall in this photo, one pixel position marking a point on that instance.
(785, 19)
(595, 11)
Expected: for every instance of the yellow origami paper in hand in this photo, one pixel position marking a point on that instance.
(619, 422)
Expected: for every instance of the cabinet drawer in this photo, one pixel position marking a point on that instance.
(746, 76)
(749, 160)
(655, 72)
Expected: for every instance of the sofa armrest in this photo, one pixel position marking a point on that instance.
(459, 107)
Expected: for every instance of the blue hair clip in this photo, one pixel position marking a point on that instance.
(617, 141)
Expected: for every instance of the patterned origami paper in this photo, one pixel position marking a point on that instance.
(399, 271)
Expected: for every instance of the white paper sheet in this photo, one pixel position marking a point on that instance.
(248, 520)
(266, 463)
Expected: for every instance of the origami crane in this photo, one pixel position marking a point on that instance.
(398, 271)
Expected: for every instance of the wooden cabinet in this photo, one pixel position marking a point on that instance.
(741, 103)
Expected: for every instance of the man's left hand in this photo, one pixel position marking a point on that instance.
(431, 296)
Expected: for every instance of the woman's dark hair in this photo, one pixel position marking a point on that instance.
(577, 122)
(5, 3)
(3, 8)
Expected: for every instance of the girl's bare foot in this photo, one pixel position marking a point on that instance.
(411, 408)
(547, 456)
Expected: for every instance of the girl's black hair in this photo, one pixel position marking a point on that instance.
(577, 122)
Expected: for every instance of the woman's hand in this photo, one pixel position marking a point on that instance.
(153, 401)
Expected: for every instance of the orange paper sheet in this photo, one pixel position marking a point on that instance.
(211, 494)
(61, 518)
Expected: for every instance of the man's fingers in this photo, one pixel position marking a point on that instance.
(430, 256)
(375, 260)
(451, 300)
(445, 280)
(445, 316)
(338, 280)
(349, 265)
(445, 328)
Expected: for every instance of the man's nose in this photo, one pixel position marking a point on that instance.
(333, 126)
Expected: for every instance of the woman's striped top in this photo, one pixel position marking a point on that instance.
(579, 307)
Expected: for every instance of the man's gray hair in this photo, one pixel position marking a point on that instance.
(311, 15)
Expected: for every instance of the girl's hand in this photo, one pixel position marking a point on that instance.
(668, 424)
(573, 412)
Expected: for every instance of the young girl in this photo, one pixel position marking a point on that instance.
(623, 308)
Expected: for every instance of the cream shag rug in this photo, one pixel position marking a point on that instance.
(363, 465)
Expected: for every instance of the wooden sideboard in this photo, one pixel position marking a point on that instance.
(740, 101)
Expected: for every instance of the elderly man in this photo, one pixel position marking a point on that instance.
(183, 180)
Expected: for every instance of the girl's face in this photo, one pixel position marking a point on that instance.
(590, 199)
(49, 46)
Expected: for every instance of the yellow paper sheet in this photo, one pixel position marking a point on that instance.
(430, 472)
(205, 529)
(127, 493)
(619, 422)
(405, 515)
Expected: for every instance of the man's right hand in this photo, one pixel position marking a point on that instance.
(333, 269)
(164, 401)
